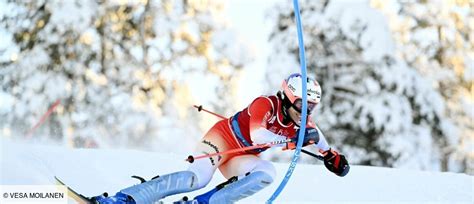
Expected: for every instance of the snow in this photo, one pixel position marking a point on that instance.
(9, 51)
(356, 16)
(396, 107)
(121, 89)
(71, 15)
(6, 103)
(252, 27)
(93, 172)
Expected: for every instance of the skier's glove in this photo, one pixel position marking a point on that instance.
(291, 144)
(336, 162)
(311, 137)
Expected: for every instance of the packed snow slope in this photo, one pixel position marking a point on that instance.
(92, 172)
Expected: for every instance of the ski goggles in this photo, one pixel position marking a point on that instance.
(298, 105)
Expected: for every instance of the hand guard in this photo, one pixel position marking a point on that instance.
(311, 137)
(336, 162)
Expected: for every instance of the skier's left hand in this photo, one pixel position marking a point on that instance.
(336, 162)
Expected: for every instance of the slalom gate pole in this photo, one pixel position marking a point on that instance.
(43, 118)
(304, 78)
(191, 158)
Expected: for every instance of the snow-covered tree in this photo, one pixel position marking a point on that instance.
(124, 71)
(376, 108)
(436, 38)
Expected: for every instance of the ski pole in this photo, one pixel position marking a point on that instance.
(43, 118)
(313, 154)
(210, 112)
(191, 158)
(200, 108)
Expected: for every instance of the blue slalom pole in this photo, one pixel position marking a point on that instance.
(302, 131)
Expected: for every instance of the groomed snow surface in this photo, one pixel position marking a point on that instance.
(92, 172)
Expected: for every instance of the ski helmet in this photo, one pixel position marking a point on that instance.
(292, 90)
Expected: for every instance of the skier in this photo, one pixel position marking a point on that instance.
(266, 119)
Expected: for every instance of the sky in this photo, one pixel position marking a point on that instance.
(247, 17)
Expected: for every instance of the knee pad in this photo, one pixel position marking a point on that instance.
(156, 189)
(203, 169)
(266, 167)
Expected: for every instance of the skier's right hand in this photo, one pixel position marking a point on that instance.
(290, 145)
(311, 137)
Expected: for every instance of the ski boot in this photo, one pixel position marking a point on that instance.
(118, 198)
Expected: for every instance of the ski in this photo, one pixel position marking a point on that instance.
(79, 198)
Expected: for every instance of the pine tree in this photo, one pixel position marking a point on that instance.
(375, 107)
(125, 72)
(435, 38)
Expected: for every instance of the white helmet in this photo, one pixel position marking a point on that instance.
(292, 88)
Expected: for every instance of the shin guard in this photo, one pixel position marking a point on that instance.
(156, 189)
(242, 188)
